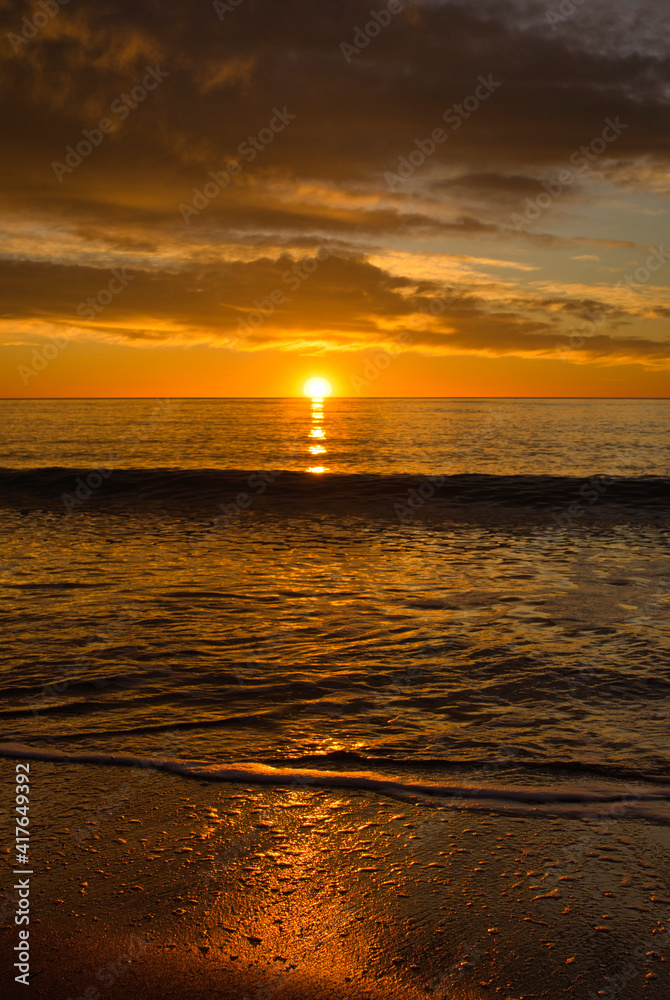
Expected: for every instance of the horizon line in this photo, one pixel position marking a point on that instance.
(29, 399)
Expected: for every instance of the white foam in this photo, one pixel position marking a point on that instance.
(563, 798)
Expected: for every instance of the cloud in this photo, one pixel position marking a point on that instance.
(353, 119)
(345, 302)
(323, 176)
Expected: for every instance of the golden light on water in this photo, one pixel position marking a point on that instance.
(317, 388)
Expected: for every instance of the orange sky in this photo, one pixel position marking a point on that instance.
(90, 369)
(473, 204)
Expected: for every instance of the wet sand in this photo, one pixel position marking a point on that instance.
(148, 885)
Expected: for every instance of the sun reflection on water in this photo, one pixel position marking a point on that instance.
(317, 433)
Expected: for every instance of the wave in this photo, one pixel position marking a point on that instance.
(648, 800)
(232, 492)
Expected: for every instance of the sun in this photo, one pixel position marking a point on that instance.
(317, 388)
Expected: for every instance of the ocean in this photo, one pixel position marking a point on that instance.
(462, 598)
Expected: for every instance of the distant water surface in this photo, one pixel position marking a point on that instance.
(418, 436)
(297, 629)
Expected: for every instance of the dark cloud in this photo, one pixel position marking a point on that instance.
(345, 303)
(353, 119)
(324, 174)
(491, 186)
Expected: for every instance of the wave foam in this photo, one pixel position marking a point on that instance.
(560, 798)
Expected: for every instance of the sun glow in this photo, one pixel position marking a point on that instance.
(317, 388)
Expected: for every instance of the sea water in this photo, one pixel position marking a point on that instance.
(431, 591)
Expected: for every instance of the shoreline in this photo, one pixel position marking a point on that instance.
(238, 890)
(640, 796)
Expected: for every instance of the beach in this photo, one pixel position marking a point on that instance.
(147, 884)
(361, 733)
(335, 501)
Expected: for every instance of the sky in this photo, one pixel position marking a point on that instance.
(418, 198)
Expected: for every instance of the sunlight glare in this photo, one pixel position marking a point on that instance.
(317, 388)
